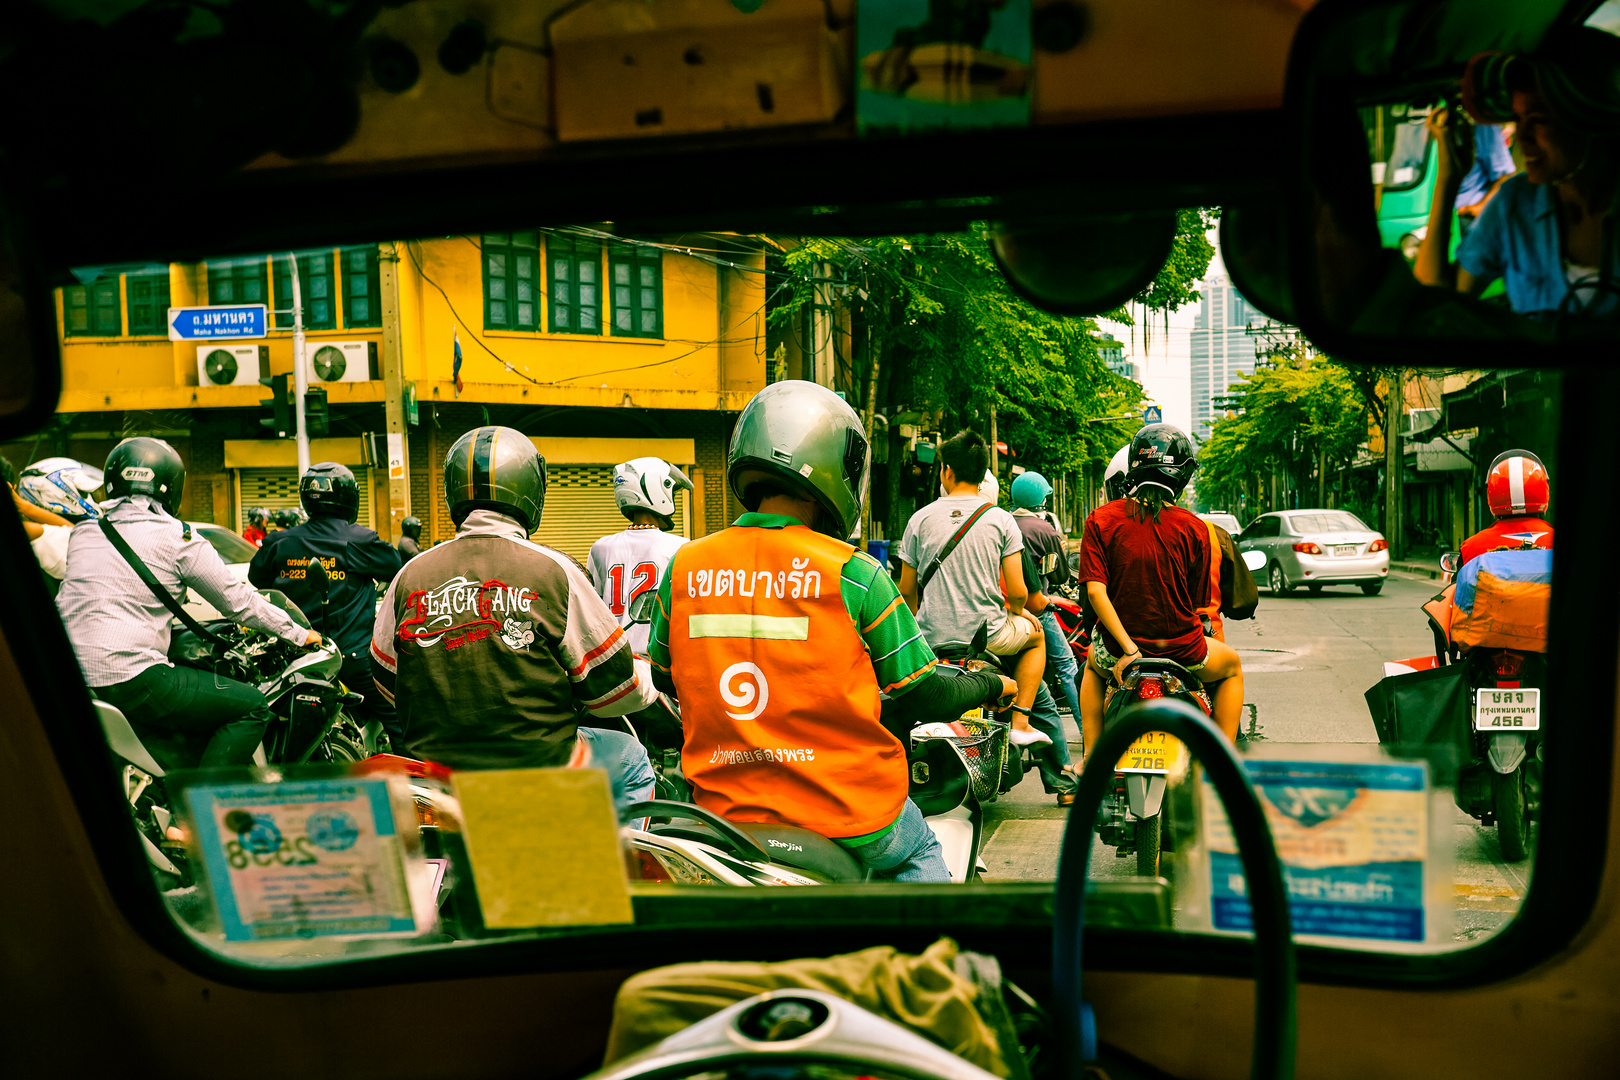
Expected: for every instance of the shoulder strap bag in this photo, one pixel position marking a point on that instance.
(950, 546)
(144, 572)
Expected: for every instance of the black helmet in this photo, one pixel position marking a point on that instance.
(412, 527)
(285, 518)
(495, 468)
(329, 490)
(146, 466)
(1162, 456)
(258, 515)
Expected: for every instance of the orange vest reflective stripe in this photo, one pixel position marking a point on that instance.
(779, 701)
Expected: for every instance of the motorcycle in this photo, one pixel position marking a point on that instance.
(1499, 780)
(310, 724)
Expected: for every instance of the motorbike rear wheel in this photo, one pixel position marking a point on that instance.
(1512, 821)
(1147, 846)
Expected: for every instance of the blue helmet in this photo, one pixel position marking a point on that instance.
(1030, 491)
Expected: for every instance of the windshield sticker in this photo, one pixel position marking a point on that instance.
(303, 859)
(931, 64)
(1353, 839)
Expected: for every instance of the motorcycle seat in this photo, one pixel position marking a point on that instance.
(806, 850)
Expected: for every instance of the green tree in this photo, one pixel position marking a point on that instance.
(949, 338)
(1297, 416)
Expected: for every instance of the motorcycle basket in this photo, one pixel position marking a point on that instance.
(983, 748)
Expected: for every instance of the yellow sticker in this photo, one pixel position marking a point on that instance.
(544, 847)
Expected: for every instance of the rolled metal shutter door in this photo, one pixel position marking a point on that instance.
(277, 489)
(580, 509)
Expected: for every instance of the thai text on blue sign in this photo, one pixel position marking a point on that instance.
(1352, 838)
(217, 323)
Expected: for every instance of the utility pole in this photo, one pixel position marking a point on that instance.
(398, 464)
(1394, 463)
(300, 372)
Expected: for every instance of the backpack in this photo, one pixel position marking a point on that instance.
(1502, 599)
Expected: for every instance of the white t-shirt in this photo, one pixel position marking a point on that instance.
(966, 591)
(625, 564)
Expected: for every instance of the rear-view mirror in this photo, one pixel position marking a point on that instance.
(1254, 560)
(1457, 165)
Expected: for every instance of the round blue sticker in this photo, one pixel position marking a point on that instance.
(263, 837)
(333, 830)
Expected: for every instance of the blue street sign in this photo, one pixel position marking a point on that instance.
(217, 323)
(1152, 415)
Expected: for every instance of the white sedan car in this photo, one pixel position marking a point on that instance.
(1315, 548)
(235, 551)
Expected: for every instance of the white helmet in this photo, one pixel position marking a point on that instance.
(648, 483)
(990, 489)
(1114, 475)
(62, 485)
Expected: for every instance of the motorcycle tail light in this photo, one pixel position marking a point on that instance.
(1149, 687)
(646, 867)
(1309, 548)
(1378, 545)
(427, 815)
(1508, 664)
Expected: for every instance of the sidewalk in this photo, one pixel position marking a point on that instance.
(1429, 568)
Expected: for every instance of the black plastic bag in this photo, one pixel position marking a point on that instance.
(1423, 709)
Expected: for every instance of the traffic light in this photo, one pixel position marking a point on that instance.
(316, 418)
(280, 420)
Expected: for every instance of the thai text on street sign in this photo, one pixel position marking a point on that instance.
(217, 323)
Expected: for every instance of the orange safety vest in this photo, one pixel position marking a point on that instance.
(1213, 608)
(779, 700)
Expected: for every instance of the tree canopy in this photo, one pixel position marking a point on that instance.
(951, 338)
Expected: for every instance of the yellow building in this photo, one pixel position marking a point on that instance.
(600, 349)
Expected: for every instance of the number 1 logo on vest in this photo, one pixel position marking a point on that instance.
(745, 691)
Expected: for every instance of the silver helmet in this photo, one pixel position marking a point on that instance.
(804, 438)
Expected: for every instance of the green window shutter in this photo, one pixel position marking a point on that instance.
(237, 281)
(638, 290)
(315, 283)
(148, 296)
(574, 268)
(511, 270)
(362, 289)
(92, 310)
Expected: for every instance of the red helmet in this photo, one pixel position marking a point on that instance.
(1517, 484)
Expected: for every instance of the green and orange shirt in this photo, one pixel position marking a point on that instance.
(779, 676)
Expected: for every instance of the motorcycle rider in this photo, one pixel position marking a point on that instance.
(632, 561)
(257, 518)
(961, 572)
(1145, 564)
(1517, 489)
(353, 557)
(1029, 494)
(62, 485)
(409, 544)
(490, 645)
(779, 639)
(120, 629)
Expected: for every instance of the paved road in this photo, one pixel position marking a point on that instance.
(1307, 662)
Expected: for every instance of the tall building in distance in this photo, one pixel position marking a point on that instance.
(1112, 351)
(1221, 348)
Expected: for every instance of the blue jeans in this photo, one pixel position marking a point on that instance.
(1063, 662)
(907, 852)
(630, 770)
(1051, 760)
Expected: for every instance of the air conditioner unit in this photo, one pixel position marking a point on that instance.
(339, 361)
(229, 365)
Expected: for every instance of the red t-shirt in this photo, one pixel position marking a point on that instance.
(253, 535)
(1157, 575)
(1509, 532)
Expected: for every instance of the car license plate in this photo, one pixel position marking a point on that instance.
(1344, 549)
(1155, 752)
(1507, 710)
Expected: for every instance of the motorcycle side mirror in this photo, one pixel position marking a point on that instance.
(316, 572)
(1254, 560)
(1450, 561)
(641, 607)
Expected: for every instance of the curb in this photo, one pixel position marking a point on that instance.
(1427, 570)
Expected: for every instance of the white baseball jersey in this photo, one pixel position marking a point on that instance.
(623, 565)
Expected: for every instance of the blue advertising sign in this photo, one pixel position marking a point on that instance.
(1152, 415)
(1352, 838)
(217, 323)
